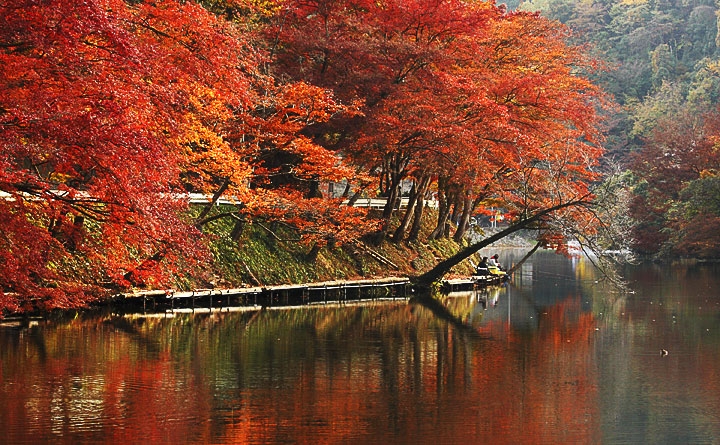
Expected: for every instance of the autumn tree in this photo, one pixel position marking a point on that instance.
(532, 140)
(673, 201)
(110, 113)
(488, 103)
(383, 55)
(491, 105)
(675, 173)
(89, 112)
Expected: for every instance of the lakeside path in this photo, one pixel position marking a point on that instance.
(265, 296)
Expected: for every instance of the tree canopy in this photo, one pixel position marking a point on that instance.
(113, 111)
(486, 104)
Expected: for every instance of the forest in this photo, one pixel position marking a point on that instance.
(664, 77)
(592, 122)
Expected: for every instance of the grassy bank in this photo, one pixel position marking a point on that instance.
(270, 255)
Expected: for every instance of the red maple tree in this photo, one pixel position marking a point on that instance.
(113, 111)
(489, 104)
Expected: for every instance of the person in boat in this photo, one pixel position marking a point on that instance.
(495, 268)
(482, 267)
(494, 261)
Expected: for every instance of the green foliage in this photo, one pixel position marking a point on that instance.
(651, 47)
(646, 114)
(704, 88)
(701, 196)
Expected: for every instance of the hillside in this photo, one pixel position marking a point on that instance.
(270, 255)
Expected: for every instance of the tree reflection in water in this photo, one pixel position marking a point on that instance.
(542, 361)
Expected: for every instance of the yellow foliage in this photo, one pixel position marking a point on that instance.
(209, 155)
(60, 178)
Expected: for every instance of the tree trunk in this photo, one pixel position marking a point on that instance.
(237, 229)
(443, 213)
(388, 210)
(414, 202)
(393, 192)
(419, 206)
(396, 167)
(464, 223)
(346, 192)
(417, 219)
(443, 209)
(449, 220)
(354, 198)
(405, 223)
(209, 206)
(457, 204)
(314, 252)
(314, 191)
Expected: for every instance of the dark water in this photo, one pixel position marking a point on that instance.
(553, 357)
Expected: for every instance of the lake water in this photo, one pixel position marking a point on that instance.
(555, 356)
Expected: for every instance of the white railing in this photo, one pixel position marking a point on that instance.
(202, 198)
(379, 203)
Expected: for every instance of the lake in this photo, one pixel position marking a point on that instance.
(557, 355)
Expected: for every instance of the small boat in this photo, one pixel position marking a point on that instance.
(491, 278)
(490, 275)
(485, 277)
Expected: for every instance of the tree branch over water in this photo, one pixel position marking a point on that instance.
(435, 274)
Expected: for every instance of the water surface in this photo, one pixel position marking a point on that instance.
(555, 356)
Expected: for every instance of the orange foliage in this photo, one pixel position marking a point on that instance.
(491, 102)
(112, 111)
